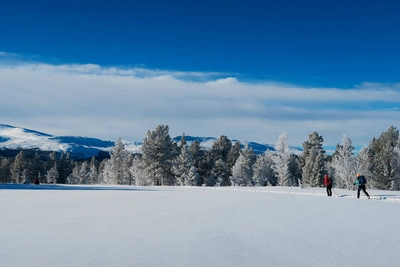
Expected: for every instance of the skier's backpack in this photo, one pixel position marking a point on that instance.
(362, 180)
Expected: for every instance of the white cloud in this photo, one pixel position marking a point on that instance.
(6, 54)
(111, 102)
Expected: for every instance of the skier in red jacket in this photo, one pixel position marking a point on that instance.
(328, 184)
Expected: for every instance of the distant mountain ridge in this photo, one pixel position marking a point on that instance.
(12, 137)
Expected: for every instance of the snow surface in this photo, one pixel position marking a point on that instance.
(61, 225)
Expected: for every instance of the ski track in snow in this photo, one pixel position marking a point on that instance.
(256, 190)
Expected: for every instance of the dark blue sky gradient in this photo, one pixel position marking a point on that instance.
(309, 43)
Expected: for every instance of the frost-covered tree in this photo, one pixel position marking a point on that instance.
(345, 164)
(5, 170)
(221, 173)
(183, 142)
(282, 159)
(364, 161)
(18, 167)
(74, 177)
(242, 171)
(205, 166)
(221, 148)
(233, 154)
(93, 171)
(263, 172)
(384, 160)
(158, 154)
(183, 166)
(84, 173)
(138, 172)
(115, 169)
(52, 175)
(193, 177)
(313, 161)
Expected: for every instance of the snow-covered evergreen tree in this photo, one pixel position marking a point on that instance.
(242, 171)
(221, 148)
(74, 177)
(5, 170)
(233, 154)
(183, 166)
(281, 159)
(139, 174)
(263, 172)
(221, 173)
(115, 169)
(345, 164)
(197, 153)
(384, 163)
(313, 161)
(158, 154)
(93, 171)
(18, 167)
(52, 175)
(84, 173)
(205, 166)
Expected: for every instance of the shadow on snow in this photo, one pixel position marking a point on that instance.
(71, 187)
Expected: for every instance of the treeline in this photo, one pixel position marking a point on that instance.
(165, 162)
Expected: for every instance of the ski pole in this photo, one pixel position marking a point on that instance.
(335, 192)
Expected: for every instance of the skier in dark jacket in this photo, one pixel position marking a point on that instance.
(361, 181)
(328, 184)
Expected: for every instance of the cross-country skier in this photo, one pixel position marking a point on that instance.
(328, 184)
(361, 181)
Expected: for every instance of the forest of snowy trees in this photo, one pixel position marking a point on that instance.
(165, 162)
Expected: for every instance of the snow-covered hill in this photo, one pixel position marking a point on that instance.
(12, 137)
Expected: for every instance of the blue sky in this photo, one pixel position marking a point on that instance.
(313, 43)
(329, 46)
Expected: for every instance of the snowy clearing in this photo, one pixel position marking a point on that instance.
(61, 225)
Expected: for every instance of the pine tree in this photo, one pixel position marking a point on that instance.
(313, 161)
(74, 177)
(204, 169)
(158, 154)
(93, 172)
(35, 168)
(183, 142)
(221, 172)
(115, 171)
(294, 170)
(384, 163)
(5, 170)
(221, 148)
(18, 167)
(281, 159)
(84, 173)
(183, 166)
(242, 171)
(139, 174)
(345, 164)
(52, 175)
(64, 167)
(233, 154)
(263, 171)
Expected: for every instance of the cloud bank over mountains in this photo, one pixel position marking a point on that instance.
(111, 102)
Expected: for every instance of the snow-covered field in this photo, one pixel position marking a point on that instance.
(59, 225)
